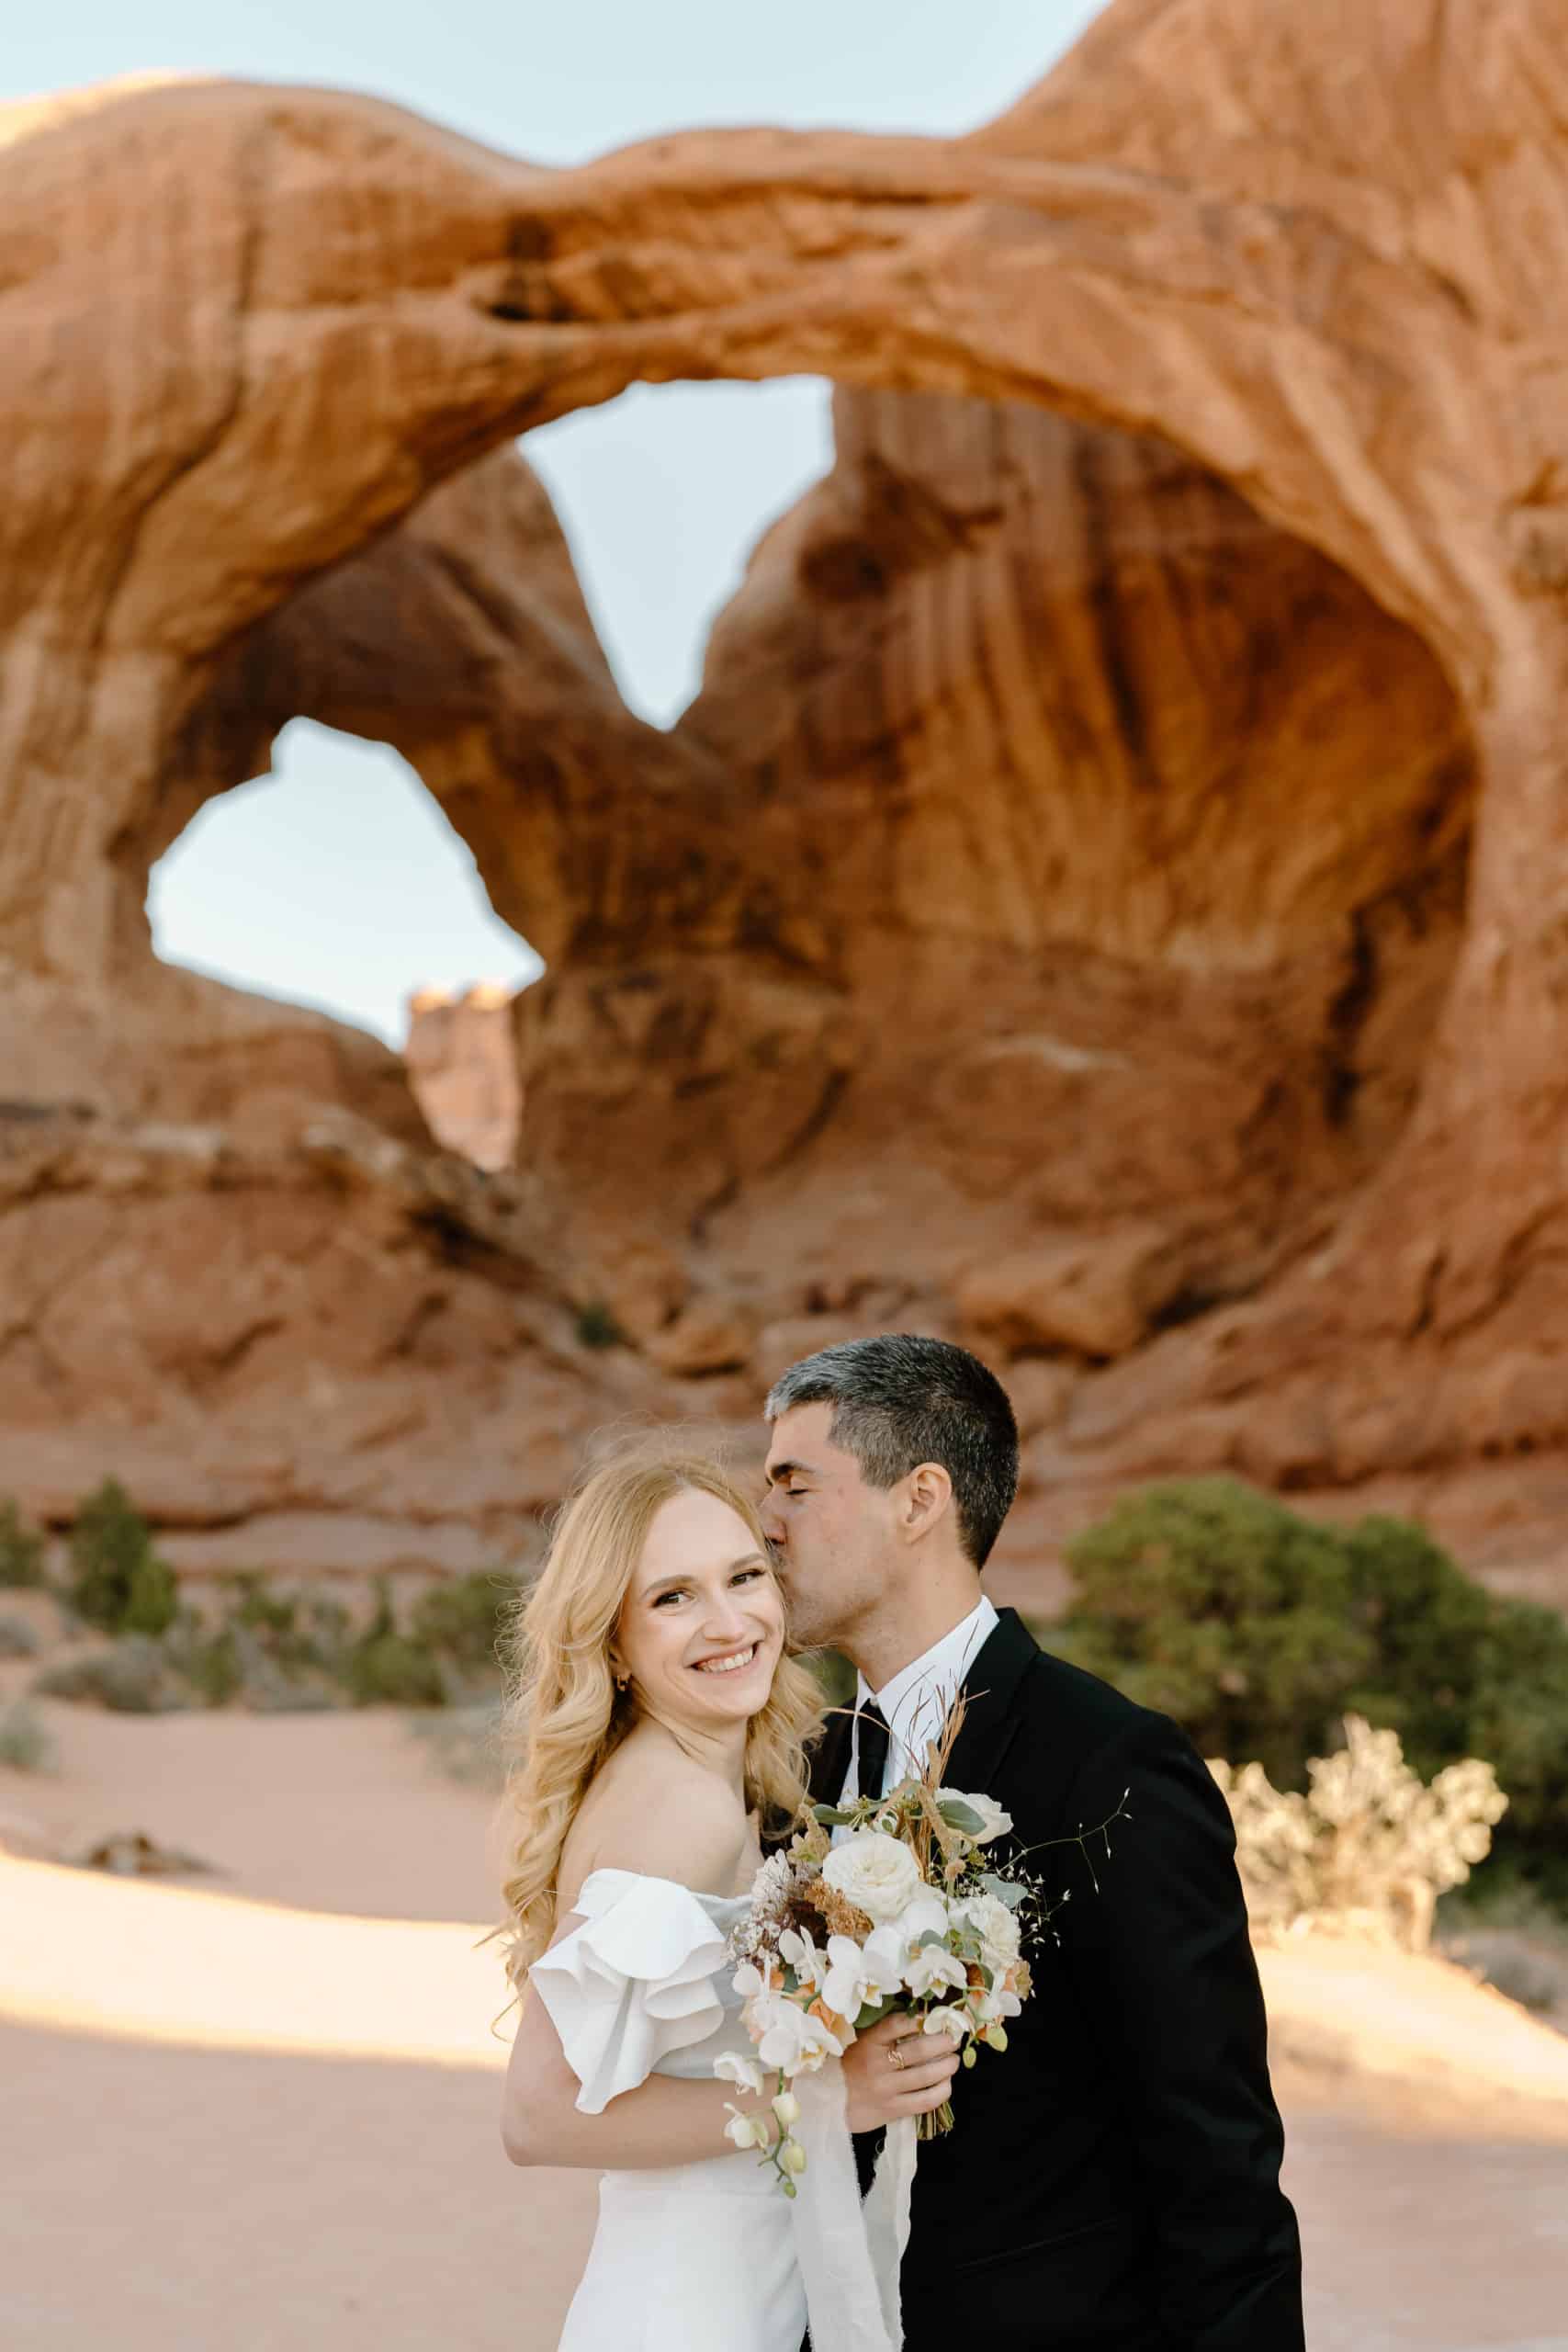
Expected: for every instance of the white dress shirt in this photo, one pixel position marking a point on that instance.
(915, 1701)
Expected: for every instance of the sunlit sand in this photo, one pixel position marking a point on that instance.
(263, 2112)
(216, 1972)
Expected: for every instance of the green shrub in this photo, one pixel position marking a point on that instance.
(27, 1744)
(21, 1549)
(384, 1667)
(17, 1638)
(1258, 1630)
(392, 1671)
(1215, 1604)
(255, 1604)
(1427, 1622)
(133, 1677)
(461, 1619)
(1518, 1719)
(207, 1662)
(117, 1580)
(597, 1328)
(836, 1676)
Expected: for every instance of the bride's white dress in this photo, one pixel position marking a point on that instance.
(697, 2257)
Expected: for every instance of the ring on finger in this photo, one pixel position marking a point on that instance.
(896, 2053)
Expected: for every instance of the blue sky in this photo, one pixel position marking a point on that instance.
(336, 881)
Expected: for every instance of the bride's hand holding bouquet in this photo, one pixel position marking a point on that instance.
(906, 1924)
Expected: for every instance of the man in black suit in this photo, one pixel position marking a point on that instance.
(1112, 2179)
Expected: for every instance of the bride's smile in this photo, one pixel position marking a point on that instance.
(729, 1664)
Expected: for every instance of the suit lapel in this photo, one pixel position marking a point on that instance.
(992, 1714)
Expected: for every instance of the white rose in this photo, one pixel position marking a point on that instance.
(876, 1874)
(994, 1822)
(996, 1925)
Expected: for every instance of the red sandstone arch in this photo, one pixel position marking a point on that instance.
(1325, 271)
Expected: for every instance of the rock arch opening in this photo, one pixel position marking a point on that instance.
(335, 882)
(662, 493)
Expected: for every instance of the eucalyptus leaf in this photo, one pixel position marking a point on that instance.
(1004, 1890)
(831, 1816)
(961, 1816)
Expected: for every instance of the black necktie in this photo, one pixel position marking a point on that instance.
(871, 1753)
(872, 1749)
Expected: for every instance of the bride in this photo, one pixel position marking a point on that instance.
(657, 1718)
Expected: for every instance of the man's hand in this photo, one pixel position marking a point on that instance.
(894, 2069)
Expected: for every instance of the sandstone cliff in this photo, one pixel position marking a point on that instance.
(1103, 900)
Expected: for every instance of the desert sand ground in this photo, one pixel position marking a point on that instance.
(257, 2110)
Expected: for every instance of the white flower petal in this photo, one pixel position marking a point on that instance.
(732, 2066)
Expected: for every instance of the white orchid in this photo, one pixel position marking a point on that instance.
(992, 2007)
(952, 2019)
(862, 1974)
(732, 2066)
(789, 2036)
(808, 1961)
(745, 2130)
(933, 1965)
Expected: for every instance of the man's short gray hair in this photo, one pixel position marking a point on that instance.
(899, 1400)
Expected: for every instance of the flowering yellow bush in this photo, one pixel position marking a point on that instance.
(1369, 1847)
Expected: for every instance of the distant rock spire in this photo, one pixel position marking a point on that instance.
(462, 1066)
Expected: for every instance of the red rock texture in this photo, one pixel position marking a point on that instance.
(462, 1065)
(1102, 902)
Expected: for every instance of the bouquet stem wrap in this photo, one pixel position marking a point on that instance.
(849, 2254)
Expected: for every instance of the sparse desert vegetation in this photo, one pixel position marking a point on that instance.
(139, 1643)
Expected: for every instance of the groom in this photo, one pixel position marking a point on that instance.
(1112, 2179)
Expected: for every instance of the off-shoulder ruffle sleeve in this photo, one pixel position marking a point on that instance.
(634, 1981)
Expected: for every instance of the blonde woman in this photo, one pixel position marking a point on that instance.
(658, 1720)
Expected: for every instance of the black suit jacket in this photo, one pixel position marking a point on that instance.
(1112, 2178)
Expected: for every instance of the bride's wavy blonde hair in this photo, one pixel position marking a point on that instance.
(564, 1716)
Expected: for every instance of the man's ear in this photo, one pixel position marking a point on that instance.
(927, 1491)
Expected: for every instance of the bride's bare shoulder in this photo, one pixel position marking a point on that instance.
(652, 1809)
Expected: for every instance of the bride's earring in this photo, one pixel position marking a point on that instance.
(622, 1681)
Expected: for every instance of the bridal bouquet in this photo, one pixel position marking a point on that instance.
(905, 1912)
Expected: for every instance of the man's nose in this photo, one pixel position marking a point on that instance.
(772, 1525)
